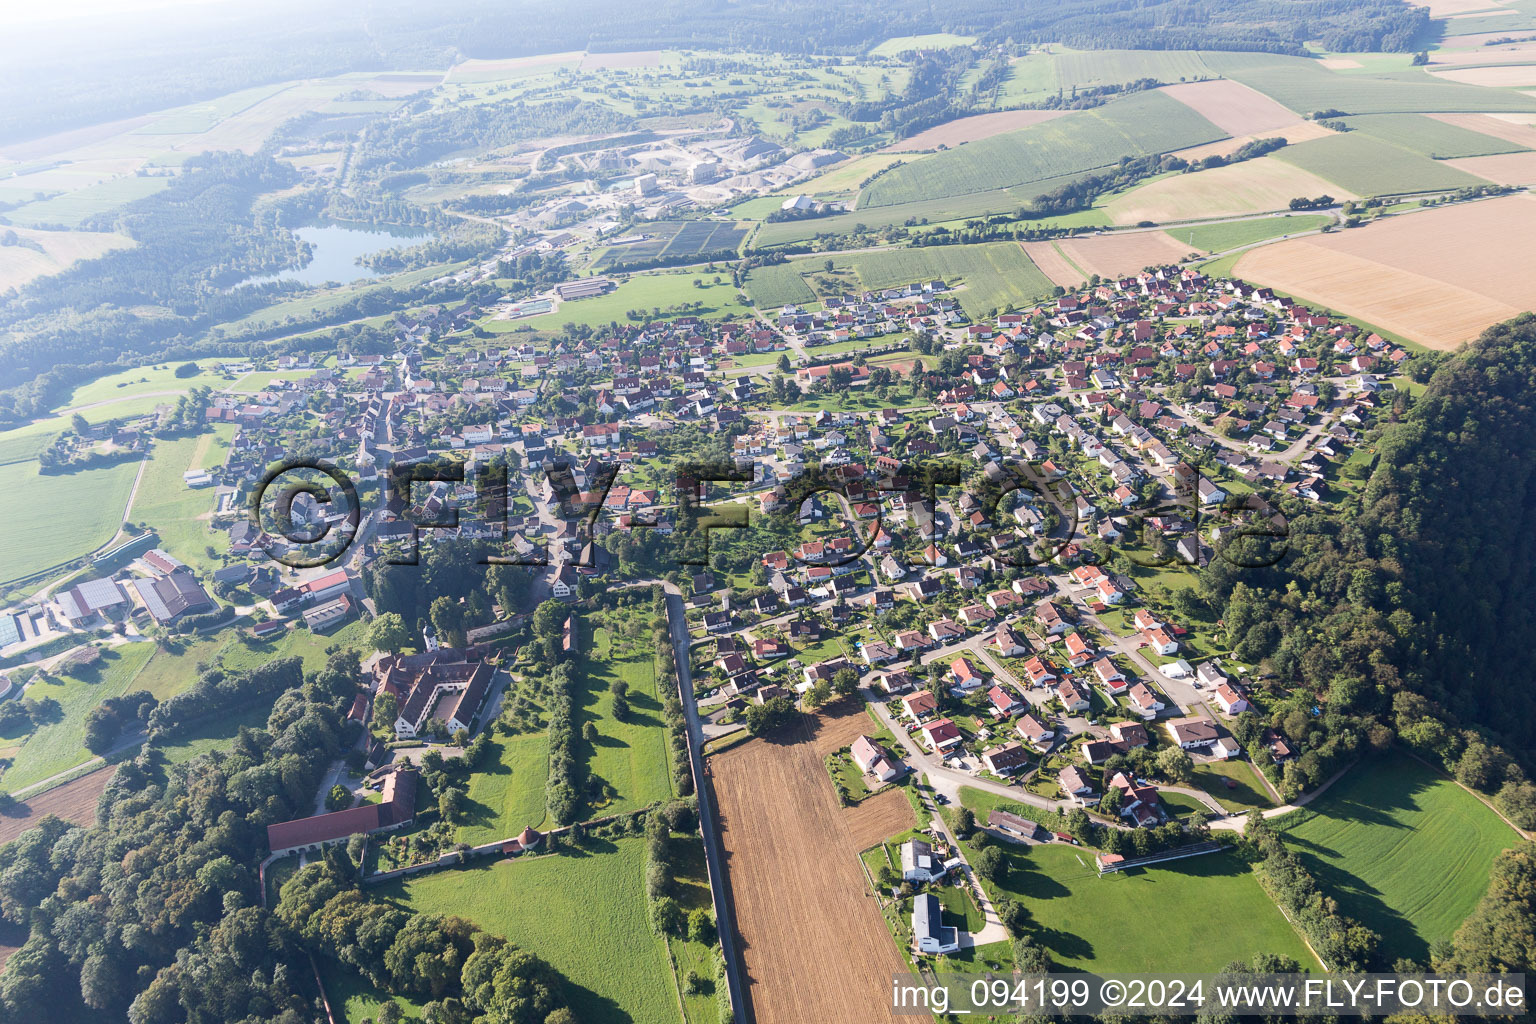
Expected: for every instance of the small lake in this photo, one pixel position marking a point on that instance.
(336, 247)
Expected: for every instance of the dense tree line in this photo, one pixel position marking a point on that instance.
(432, 134)
(1500, 935)
(1344, 943)
(107, 720)
(221, 692)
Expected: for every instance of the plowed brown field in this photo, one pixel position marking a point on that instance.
(1232, 106)
(1053, 264)
(74, 801)
(814, 944)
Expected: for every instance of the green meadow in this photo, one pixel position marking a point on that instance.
(1140, 921)
(1402, 848)
(583, 911)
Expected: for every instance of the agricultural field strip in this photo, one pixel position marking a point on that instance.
(1138, 125)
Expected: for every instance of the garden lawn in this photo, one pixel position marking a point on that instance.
(215, 735)
(584, 912)
(60, 745)
(354, 999)
(630, 756)
(1250, 792)
(1402, 848)
(53, 518)
(509, 794)
(246, 653)
(1143, 920)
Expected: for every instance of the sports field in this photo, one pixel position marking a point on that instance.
(583, 911)
(53, 518)
(1253, 186)
(1438, 277)
(1369, 166)
(1402, 848)
(1143, 123)
(1139, 921)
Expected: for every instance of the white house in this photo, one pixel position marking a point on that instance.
(928, 933)
(918, 863)
(874, 760)
(1231, 699)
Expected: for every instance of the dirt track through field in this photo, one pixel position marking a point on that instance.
(1053, 264)
(816, 949)
(74, 801)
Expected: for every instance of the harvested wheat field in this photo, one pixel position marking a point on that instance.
(1511, 128)
(1232, 106)
(74, 801)
(969, 129)
(628, 59)
(1253, 186)
(1510, 54)
(1053, 264)
(1438, 277)
(1502, 169)
(1339, 63)
(1294, 133)
(22, 263)
(1125, 253)
(814, 943)
(1520, 74)
(1449, 8)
